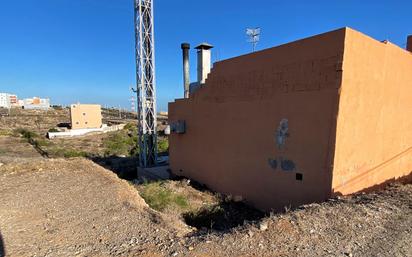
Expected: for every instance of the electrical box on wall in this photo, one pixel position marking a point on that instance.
(178, 127)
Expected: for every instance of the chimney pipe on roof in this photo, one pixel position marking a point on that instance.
(186, 67)
(204, 62)
(409, 44)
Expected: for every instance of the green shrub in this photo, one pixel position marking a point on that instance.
(130, 127)
(67, 153)
(119, 144)
(27, 134)
(158, 197)
(122, 142)
(163, 145)
(42, 142)
(74, 153)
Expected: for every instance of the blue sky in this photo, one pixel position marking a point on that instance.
(83, 50)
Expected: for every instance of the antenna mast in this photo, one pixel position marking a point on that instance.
(146, 83)
(254, 37)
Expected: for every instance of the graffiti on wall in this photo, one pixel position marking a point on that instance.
(281, 136)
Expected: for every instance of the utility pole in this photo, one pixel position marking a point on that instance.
(146, 82)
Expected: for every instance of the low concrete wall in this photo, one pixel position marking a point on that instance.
(82, 132)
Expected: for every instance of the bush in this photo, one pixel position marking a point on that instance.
(27, 134)
(74, 153)
(163, 145)
(123, 142)
(158, 197)
(68, 153)
(130, 127)
(120, 144)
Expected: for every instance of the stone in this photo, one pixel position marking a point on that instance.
(263, 226)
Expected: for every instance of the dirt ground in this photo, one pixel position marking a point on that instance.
(57, 207)
(75, 207)
(35, 120)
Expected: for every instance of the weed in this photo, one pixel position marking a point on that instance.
(27, 134)
(158, 197)
(68, 153)
(163, 145)
(5, 133)
(120, 144)
(130, 127)
(123, 142)
(74, 153)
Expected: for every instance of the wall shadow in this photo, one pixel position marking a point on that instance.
(402, 180)
(124, 167)
(222, 217)
(2, 247)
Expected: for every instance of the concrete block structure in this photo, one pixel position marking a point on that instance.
(85, 116)
(36, 103)
(299, 123)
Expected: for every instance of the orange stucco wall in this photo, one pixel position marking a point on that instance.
(232, 124)
(374, 129)
(346, 100)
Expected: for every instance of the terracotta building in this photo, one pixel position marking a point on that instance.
(298, 123)
(85, 116)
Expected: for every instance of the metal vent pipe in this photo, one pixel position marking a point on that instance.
(409, 44)
(186, 67)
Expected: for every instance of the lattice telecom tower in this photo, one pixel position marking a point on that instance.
(146, 83)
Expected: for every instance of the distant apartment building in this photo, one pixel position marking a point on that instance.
(5, 100)
(13, 100)
(36, 103)
(85, 116)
